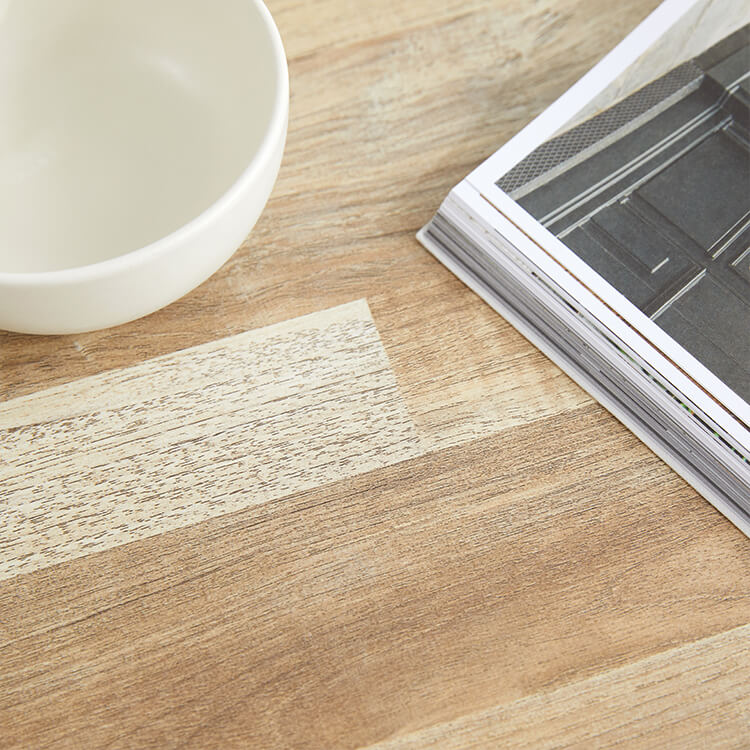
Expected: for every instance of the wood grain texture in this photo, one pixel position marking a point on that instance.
(189, 436)
(686, 697)
(376, 606)
(516, 553)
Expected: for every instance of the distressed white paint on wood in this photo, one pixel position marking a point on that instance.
(682, 697)
(132, 453)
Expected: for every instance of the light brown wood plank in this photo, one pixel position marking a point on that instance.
(462, 388)
(131, 453)
(690, 697)
(378, 606)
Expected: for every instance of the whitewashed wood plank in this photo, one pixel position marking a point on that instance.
(133, 453)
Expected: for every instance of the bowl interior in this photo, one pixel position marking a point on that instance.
(122, 121)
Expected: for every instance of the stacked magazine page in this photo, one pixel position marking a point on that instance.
(614, 233)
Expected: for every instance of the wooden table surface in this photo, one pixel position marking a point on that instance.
(349, 506)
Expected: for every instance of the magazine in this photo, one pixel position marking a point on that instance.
(614, 233)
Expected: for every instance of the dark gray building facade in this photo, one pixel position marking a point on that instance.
(654, 194)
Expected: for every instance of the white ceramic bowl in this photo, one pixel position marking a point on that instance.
(139, 142)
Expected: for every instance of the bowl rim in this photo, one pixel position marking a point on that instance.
(132, 258)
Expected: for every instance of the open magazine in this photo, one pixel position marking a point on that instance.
(614, 233)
